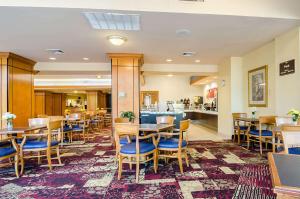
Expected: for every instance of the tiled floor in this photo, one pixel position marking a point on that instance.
(90, 169)
(198, 132)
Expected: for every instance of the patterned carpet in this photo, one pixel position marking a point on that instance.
(217, 170)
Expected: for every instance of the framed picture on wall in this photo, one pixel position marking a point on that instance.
(258, 87)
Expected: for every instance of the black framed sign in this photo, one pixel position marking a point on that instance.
(287, 67)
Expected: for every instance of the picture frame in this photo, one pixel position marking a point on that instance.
(258, 87)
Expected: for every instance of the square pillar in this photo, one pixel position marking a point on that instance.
(126, 83)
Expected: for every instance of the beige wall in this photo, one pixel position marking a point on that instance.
(288, 87)
(257, 58)
(172, 88)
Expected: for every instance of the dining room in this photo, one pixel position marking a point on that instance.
(107, 100)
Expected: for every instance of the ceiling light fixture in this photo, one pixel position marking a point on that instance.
(85, 59)
(52, 58)
(169, 60)
(99, 76)
(197, 60)
(117, 40)
(170, 75)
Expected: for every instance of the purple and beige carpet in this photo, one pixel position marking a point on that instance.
(217, 170)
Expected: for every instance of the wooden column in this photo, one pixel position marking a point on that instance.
(92, 100)
(17, 94)
(126, 83)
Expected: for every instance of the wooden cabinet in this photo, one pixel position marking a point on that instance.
(17, 95)
(154, 97)
(47, 103)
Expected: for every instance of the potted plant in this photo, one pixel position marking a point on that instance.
(128, 114)
(9, 117)
(67, 113)
(295, 114)
(253, 112)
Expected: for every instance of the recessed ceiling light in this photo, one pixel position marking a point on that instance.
(117, 40)
(170, 75)
(52, 58)
(75, 91)
(197, 60)
(85, 59)
(99, 76)
(169, 60)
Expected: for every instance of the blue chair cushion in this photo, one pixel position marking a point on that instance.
(67, 128)
(295, 151)
(6, 151)
(263, 133)
(125, 141)
(19, 140)
(77, 128)
(38, 144)
(243, 128)
(131, 148)
(4, 143)
(171, 143)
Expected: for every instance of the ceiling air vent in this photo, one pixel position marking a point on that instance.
(188, 54)
(55, 51)
(113, 21)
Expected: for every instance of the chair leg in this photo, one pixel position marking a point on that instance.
(17, 165)
(186, 158)
(58, 155)
(39, 157)
(22, 162)
(234, 136)
(180, 162)
(130, 164)
(248, 141)
(155, 155)
(120, 167)
(239, 137)
(260, 146)
(49, 159)
(137, 169)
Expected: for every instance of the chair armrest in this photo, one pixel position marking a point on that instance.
(146, 137)
(168, 134)
(35, 135)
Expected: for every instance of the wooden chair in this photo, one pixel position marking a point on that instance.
(78, 125)
(172, 147)
(134, 152)
(277, 135)
(10, 151)
(47, 145)
(239, 127)
(291, 139)
(262, 135)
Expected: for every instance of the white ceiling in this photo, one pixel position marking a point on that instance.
(29, 31)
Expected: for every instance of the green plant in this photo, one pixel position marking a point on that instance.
(295, 114)
(128, 114)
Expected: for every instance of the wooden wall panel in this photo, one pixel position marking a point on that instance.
(48, 103)
(92, 100)
(39, 104)
(126, 83)
(57, 101)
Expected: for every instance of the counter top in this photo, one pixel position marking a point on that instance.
(201, 111)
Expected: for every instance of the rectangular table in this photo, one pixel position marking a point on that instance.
(248, 119)
(21, 130)
(285, 171)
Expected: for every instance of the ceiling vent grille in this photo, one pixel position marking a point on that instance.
(113, 21)
(193, 0)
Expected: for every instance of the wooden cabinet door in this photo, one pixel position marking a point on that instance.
(57, 107)
(49, 104)
(39, 103)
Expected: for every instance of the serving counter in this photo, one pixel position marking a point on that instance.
(206, 118)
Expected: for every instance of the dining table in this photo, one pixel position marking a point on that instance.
(285, 174)
(155, 128)
(248, 119)
(21, 130)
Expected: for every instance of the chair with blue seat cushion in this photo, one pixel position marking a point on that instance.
(135, 152)
(173, 147)
(291, 139)
(240, 127)
(51, 137)
(79, 125)
(277, 136)
(262, 135)
(7, 152)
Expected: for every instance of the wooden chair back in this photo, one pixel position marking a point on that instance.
(165, 120)
(55, 126)
(184, 126)
(121, 120)
(126, 129)
(38, 122)
(291, 137)
(236, 116)
(270, 120)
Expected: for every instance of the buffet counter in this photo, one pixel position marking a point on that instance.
(205, 118)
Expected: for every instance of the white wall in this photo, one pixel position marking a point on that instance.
(172, 88)
(264, 55)
(288, 86)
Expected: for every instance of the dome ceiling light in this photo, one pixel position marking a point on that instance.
(117, 40)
